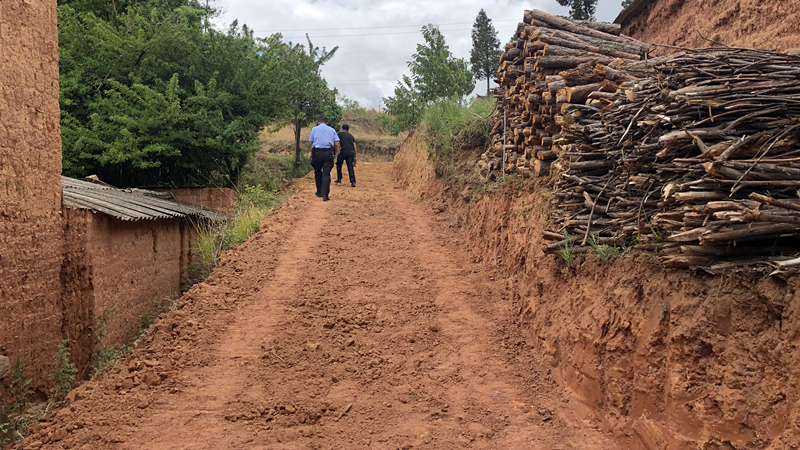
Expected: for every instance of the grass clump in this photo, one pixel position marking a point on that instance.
(452, 124)
(260, 191)
(255, 203)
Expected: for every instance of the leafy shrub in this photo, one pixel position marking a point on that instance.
(63, 374)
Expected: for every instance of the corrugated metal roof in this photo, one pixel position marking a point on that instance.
(128, 204)
(631, 11)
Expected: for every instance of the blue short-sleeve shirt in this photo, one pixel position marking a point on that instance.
(323, 136)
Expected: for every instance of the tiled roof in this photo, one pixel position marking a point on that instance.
(129, 204)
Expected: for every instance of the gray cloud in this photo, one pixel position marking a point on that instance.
(376, 38)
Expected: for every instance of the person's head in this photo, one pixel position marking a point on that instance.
(322, 119)
(346, 127)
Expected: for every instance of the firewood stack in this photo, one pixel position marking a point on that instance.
(545, 81)
(695, 155)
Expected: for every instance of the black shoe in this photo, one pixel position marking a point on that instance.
(317, 194)
(325, 199)
(353, 184)
(338, 181)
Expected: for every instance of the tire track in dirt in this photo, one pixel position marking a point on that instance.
(355, 323)
(195, 423)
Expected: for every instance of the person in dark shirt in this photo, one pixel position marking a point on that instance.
(348, 150)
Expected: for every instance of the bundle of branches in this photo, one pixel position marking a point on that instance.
(695, 154)
(700, 160)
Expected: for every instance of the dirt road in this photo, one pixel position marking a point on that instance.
(356, 323)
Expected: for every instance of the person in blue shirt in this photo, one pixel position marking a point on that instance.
(324, 147)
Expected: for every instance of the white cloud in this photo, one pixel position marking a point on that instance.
(376, 38)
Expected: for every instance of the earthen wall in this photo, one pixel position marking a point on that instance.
(31, 230)
(767, 24)
(133, 264)
(663, 358)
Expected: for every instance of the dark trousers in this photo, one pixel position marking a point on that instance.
(322, 162)
(348, 158)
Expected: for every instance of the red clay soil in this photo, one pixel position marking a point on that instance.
(661, 358)
(356, 323)
(768, 24)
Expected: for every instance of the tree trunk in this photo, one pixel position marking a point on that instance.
(296, 139)
(487, 86)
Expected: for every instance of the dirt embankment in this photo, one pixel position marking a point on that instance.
(768, 24)
(662, 358)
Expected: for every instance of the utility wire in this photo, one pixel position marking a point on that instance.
(372, 28)
(368, 34)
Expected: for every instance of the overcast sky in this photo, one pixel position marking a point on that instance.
(376, 38)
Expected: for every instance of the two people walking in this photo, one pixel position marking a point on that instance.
(325, 145)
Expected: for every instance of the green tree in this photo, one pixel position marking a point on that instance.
(580, 9)
(485, 53)
(305, 91)
(435, 74)
(626, 3)
(151, 95)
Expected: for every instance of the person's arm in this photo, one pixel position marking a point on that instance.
(355, 153)
(335, 148)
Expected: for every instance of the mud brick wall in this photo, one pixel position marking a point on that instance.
(767, 24)
(31, 229)
(122, 266)
(218, 199)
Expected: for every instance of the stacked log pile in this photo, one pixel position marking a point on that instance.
(695, 154)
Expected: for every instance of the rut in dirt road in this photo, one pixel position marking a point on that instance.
(354, 323)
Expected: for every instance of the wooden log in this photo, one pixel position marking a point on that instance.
(584, 46)
(566, 24)
(541, 168)
(511, 55)
(554, 83)
(579, 94)
(568, 62)
(686, 261)
(590, 165)
(749, 232)
(786, 204)
(605, 27)
(613, 74)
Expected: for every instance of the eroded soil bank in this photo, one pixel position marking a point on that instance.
(362, 322)
(662, 358)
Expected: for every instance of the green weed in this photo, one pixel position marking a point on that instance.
(63, 374)
(104, 355)
(5, 433)
(19, 389)
(566, 253)
(20, 420)
(604, 251)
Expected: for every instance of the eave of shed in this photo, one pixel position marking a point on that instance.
(127, 204)
(631, 11)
